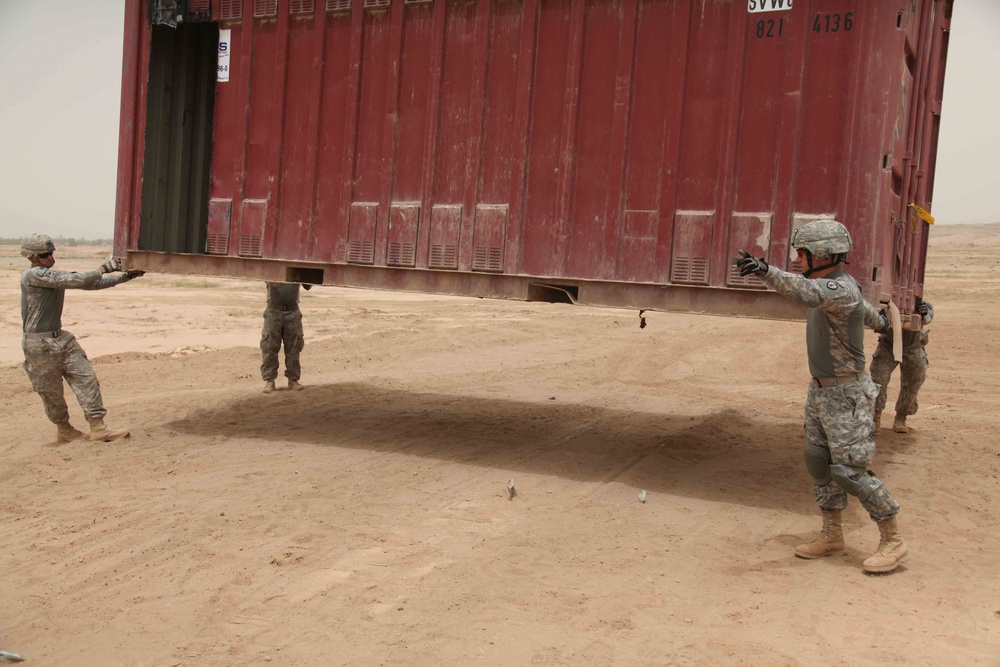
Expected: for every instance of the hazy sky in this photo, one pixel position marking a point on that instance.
(60, 86)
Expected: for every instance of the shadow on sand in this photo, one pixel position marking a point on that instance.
(725, 456)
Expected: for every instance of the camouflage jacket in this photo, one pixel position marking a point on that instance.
(43, 290)
(282, 294)
(836, 317)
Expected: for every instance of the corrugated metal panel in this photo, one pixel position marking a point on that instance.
(624, 141)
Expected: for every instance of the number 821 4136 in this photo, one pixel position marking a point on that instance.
(823, 23)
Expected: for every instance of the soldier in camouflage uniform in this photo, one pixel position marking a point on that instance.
(841, 399)
(52, 353)
(913, 370)
(282, 325)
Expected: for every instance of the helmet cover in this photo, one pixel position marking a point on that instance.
(822, 238)
(36, 244)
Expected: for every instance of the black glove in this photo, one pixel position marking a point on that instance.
(135, 273)
(885, 321)
(112, 265)
(922, 306)
(749, 264)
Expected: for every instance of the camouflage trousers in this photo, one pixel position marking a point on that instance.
(912, 374)
(281, 327)
(47, 361)
(839, 447)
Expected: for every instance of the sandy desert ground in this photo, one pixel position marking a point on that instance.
(366, 520)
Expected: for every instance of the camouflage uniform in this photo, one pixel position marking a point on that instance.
(914, 366)
(51, 353)
(282, 325)
(839, 412)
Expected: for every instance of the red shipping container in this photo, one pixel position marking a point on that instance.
(613, 152)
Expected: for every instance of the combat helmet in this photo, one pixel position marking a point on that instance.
(823, 238)
(36, 244)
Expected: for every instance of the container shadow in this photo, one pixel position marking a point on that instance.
(725, 456)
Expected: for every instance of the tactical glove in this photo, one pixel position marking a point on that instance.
(111, 265)
(885, 321)
(749, 264)
(922, 306)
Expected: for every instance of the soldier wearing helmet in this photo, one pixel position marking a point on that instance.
(51, 353)
(841, 399)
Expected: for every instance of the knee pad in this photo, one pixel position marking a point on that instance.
(868, 488)
(818, 463)
(856, 481)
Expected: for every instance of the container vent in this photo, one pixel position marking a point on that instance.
(361, 252)
(692, 270)
(417, 2)
(736, 280)
(443, 256)
(199, 10)
(232, 10)
(218, 244)
(377, 4)
(220, 214)
(265, 8)
(402, 254)
(338, 5)
(487, 259)
(249, 246)
(489, 232)
(302, 6)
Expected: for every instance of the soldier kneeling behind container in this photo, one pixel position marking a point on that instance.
(52, 353)
(841, 399)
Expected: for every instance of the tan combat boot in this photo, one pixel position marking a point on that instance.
(66, 433)
(830, 540)
(99, 432)
(268, 387)
(877, 422)
(293, 385)
(899, 425)
(891, 549)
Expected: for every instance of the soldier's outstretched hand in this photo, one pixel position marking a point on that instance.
(749, 264)
(112, 265)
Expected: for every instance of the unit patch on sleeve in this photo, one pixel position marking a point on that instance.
(832, 285)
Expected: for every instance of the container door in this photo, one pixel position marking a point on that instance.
(180, 102)
(923, 79)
